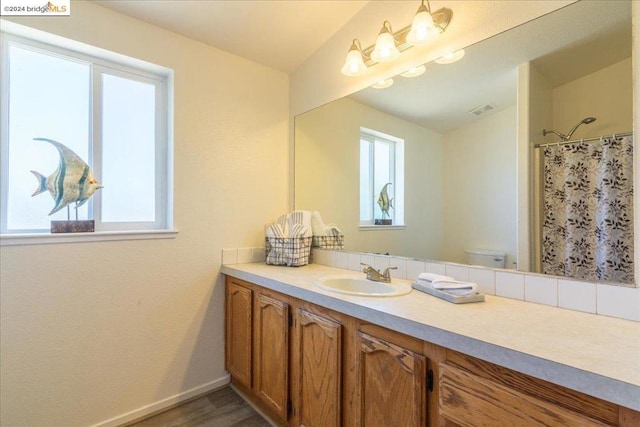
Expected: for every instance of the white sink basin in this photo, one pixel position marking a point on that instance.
(354, 285)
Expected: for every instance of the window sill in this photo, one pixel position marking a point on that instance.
(381, 227)
(98, 236)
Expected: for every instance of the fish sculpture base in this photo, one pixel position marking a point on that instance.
(87, 226)
(383, 222)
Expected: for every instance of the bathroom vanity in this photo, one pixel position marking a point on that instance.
(312, 357)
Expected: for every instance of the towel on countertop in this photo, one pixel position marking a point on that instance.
(293, 225)
(319, 228)
(299, 230)
(432, 277)
(273, 230)
(447, 284)
(288, 239)
(456, 287)
(332, 230)
(279, 228)
(300, 224)
(325, 236)
(282, 224)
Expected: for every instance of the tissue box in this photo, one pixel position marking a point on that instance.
(289, 251)
(328, 242)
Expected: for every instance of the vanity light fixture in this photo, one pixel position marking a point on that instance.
(425, 27)
(385, 49)
(451, 57)
(414, 71)
(354, 64)
(383, 84)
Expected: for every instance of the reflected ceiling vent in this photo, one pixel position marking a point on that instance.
(482, 110)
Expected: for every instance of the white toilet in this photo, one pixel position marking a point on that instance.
(484, 258)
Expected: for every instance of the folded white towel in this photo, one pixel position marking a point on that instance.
(459, 291)
(302, 218)
(317, 226)
(432, 277)
(455, 287)
(293, 225)
(282, 223)
(268, 231)
(332, 230)
(299, 230)
(274, 230)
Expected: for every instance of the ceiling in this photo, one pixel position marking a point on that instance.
(280, 34)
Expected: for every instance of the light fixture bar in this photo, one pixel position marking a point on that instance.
(441, 19)
(424, 28)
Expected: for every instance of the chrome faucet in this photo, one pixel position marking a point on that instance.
(375, 275)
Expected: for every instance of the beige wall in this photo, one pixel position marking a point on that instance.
(606, 95)
(540, 108)
(92, 331)
(480, 187)
(327, 176)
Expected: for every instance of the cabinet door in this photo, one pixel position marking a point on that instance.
(238, 332)
(319, 382)
(471, 400)
(272, 354)
(392, 384)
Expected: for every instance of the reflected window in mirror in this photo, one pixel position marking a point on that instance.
(381, 183)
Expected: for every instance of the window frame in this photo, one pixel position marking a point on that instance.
(101, 62)
(396, 172)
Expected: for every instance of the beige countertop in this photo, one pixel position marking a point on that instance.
(593, 354)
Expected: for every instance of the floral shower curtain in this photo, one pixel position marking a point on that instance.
(588, 210)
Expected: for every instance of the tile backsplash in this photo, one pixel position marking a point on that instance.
(597, 298)
(243, 255)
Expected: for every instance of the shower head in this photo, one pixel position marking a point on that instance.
(566, 137)
(585, 121)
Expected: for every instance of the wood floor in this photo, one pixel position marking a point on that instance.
(222, 408)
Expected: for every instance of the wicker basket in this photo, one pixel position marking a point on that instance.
(292, 252)
(328, 242)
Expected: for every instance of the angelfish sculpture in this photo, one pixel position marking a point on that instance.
(71, 182)
(384, 201)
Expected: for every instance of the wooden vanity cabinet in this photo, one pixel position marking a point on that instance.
(284, 355)
(317, 369)
(238, 330)
(474, 392)
(305, 365)
(257, 346)
(392, 379)
(271, 353)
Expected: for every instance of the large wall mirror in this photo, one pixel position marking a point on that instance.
(463, 126)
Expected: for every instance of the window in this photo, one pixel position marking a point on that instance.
(114, 114)
(381, 163)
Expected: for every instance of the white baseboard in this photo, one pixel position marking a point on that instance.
(163, 404)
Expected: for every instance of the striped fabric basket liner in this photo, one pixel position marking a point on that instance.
(329, 242)
(289, 251)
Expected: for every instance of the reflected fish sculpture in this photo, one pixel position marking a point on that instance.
(72, 182)
(384, 201)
